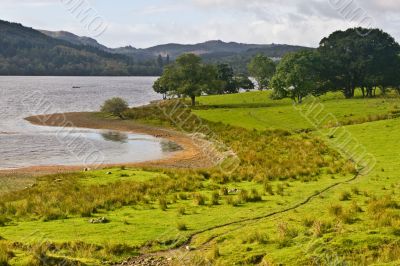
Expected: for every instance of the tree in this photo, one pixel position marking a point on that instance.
(160, 87)
(243, 82)
(352, 60)
(262, 68)
(160, 61)
(115, 106)
(226, 75)
(188, 77)
(297, 76)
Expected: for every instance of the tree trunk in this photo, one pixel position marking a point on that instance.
(300, 99)
(363, 91)
(383, 89)
(348, 93)
(193, 98)
(369, 92)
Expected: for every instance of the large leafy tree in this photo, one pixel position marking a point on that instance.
(262, 68)
(352, 60)
(297, 76)
(225, 74)
(187, 77)
(243, 82)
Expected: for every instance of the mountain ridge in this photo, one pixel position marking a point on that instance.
(27, 51)
(171, 49)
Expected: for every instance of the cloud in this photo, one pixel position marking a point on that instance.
(302, 22)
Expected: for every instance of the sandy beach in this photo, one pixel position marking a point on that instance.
(191, 155)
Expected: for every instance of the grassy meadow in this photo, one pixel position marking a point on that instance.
(293, 200)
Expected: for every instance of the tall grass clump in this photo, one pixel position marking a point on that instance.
(5, 254)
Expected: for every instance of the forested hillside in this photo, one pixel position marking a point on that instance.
(25, 51)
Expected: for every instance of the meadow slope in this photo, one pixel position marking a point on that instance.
(293, 200)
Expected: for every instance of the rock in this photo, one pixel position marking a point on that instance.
(108, 173)
(101, 220)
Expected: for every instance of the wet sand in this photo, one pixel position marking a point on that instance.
(192, 155)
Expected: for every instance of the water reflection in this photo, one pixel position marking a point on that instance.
(115, 136)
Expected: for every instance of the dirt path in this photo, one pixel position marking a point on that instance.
(191, 156)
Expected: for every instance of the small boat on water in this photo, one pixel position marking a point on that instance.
(76, 87)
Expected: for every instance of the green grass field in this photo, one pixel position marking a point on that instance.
(282, 214)
(256, 110)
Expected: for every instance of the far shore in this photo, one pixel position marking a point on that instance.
(191, 155)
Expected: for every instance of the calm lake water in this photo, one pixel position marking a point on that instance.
(23, 144)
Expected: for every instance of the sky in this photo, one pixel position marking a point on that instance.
(145, 23)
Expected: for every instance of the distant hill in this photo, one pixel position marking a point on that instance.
(74, 39)
(26, 51)
(216, 51)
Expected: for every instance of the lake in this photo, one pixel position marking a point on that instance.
(25, 145)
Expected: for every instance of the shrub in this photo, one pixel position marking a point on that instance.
(3, 221)
(181, 226)
(5, 254)
(53, 214)
(162, 202)
(254, 196)
(117, 249)
(232, 201)
(268, 188)
(215, 198)
(181, 211)
(286, 232)
(244, 196)
(115, 106)
(183, 196)
(199, 199)
(280, 190)
(224, 191)
(345, 196)
(336, 210)
(320, 228)
(355, 191)
(255, 237)
(308, 221)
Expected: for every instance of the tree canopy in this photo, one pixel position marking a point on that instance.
(115, 106)
(297, 76)
(344, 61)
(188, 77)
(262, 68)
(355, 61)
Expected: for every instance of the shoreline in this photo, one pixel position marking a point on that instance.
(191, 155)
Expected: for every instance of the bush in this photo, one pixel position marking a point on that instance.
(199, 199)
(345, 196)
(181, 226)
(5, 255)
(115, 106)
(181, 211)
(162, 202)
(183, 196)
(255, 196)
(255, 237)
(215, 198)
(336, 210)
(268, 188)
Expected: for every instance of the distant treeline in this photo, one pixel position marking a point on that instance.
(344, 61)
(24, 51)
